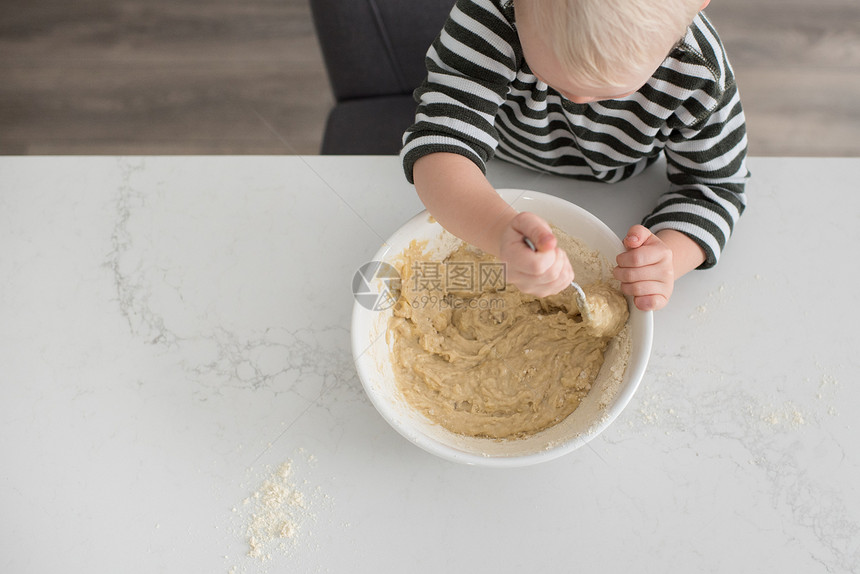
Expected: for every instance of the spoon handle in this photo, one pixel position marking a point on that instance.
(581, 301)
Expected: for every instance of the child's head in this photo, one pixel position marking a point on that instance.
(600, 49)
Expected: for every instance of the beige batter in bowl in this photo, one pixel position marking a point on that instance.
(625, 358)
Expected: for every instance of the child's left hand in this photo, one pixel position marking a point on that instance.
(646, 270)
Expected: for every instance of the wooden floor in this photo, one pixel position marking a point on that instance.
(246, 76)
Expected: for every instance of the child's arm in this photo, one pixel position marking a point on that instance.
(456, 193)
(469, 75)
(706, 168)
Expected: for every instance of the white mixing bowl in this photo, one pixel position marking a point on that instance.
(603, 404)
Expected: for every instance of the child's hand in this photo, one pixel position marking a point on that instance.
(540, 273)
(646, 269)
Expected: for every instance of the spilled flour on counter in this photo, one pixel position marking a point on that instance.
(274, 519)
(277, 504)
(786, 415)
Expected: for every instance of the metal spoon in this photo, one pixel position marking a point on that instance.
(581, 301)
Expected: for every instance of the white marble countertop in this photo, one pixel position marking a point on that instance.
(173, 330)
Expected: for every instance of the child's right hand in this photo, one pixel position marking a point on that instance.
(544, 272)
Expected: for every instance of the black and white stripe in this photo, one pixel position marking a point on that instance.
(481, 100)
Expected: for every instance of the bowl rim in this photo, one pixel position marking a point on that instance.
(450, 453)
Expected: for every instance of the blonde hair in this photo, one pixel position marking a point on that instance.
(601, 41)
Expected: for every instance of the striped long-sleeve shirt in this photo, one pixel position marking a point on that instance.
(480, 99)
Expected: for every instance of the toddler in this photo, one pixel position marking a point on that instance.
(591, 89)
